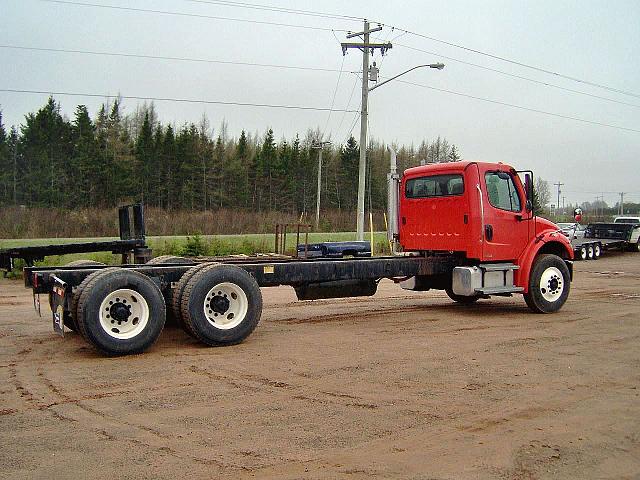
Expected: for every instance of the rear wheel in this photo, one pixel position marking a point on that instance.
(172, 320)
(549, 284)
(597, 251)
(120, 311)
(590, 252)
(222, 305)
(635, 247)
(164, 259)
(177, 294)
(69, 317)
(462, 299)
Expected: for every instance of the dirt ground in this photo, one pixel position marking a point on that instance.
(401, 385)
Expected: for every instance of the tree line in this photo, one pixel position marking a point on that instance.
(114, 158)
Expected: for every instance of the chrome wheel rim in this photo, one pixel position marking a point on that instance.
(225, 306)
(551, 284)
(124, 313)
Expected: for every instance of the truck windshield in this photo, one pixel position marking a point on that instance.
(434, 186)
(627, 220)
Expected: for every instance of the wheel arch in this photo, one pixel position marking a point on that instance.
(535, 248)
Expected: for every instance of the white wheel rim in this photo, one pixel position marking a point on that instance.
(124, 313)
(596, 251)
(225, 306)
(551, 284)
(590, 251)
(583, 253)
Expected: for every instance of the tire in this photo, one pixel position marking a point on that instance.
(549, 284)
(177, 294)
(172, 321)
(582, 253)
(462, 299)
(120, 311)
(634, 247)
(163, 259)
(69, 317)
(597, 251)
(590, 252)
(75, 298)
(222, 305)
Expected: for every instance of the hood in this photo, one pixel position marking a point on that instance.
(544, 224)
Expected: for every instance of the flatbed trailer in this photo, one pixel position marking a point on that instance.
(599, 237)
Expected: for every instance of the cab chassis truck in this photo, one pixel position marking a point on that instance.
(464, 227)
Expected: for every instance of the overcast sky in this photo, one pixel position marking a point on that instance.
(595, 41)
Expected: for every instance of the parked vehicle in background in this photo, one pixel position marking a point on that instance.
(572, 230)
(634, 220)
(622, 234)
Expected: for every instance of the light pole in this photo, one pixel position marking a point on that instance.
(363, 133)
(319, 146)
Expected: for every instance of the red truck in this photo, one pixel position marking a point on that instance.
(465, 227)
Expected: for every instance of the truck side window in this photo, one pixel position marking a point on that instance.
(502, 191)
(434, 186)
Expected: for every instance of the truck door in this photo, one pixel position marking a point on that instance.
(506, 229)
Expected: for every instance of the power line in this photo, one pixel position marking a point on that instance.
(272, 8)
(328, 15)
(191, 15)
(520, 64)
(169, 99)
(333, 100)
(344, 114)
(501, 72)
(159, 57)
(520, 107)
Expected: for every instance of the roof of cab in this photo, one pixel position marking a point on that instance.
(446, 167)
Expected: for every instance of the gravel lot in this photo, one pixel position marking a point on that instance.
(401, 385)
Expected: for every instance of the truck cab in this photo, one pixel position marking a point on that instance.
(482, 214)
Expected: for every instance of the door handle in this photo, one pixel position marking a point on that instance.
(488, 232)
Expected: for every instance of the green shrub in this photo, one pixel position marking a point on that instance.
(195, 246)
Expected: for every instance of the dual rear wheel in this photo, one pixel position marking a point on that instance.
(122, 311)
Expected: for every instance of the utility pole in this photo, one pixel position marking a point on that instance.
(559, 192)
(621, 203)
(319, 146)
(365, 47)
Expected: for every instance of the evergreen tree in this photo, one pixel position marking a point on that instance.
(145, 158)
(45, 148)
(266, 161)
(5, 166)
(87, 178)
(453, 154)
(350, 162)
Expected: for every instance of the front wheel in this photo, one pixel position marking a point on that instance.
(549, 284)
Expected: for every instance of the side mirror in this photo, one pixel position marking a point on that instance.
(528, 205)
(528, 190)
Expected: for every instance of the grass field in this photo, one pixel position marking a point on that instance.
(205, 245)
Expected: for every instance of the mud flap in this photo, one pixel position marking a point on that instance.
(58, 297)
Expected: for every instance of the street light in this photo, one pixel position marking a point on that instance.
(319, 146)
(438, 66)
